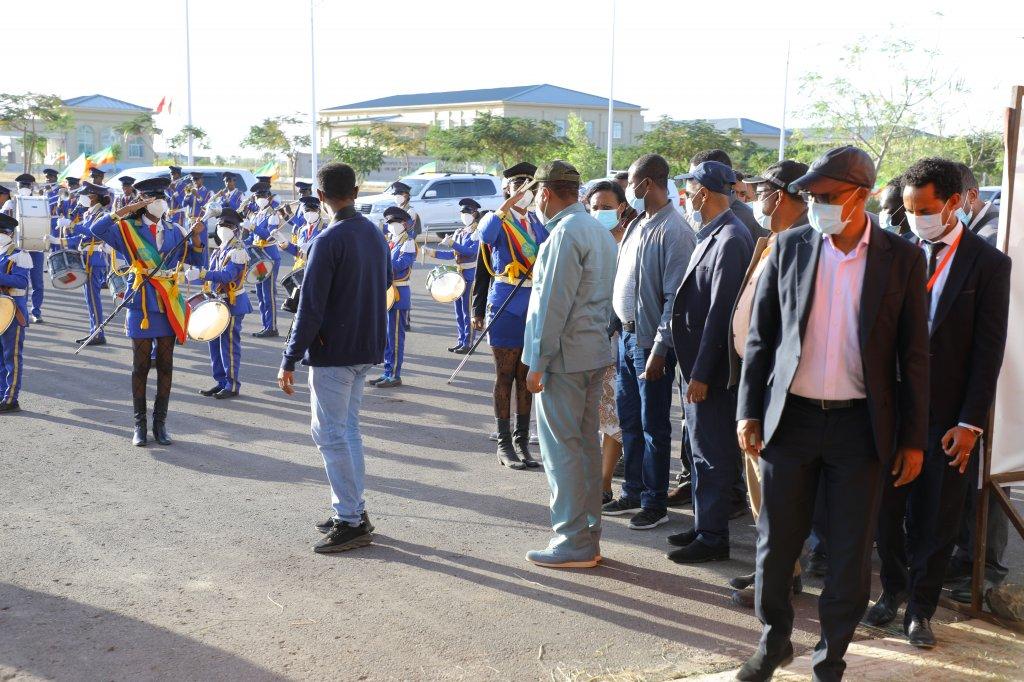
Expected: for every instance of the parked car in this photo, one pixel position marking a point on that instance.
(213, 179)
(991, 193)
(435, 197)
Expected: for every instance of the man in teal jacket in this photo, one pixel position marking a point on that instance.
(567, 349)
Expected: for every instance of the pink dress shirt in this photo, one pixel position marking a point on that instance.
(830, 365)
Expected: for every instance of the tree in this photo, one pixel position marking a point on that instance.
(678, 141)
(399, 141)
(578, 150)
(273, 137)
(494, 139)
(199, 137)
(32, 114)
(361, 152)
(142, 126)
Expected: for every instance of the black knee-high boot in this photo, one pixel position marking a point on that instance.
(139, 407)
(160, 420)
(506, 452)
(521, 437)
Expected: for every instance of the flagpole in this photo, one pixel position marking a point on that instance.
(314, 142)
(611, 101)
(785, 93)
(188, 82)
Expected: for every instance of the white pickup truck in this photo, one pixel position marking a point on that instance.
(435, 197)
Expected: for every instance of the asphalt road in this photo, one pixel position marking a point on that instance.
(193, 561)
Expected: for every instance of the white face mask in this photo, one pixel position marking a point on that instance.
(696, 219)
(401, 200)
(396, 230)
(828, 218)
(262, 202)
(311, 217)
(764, 219)
(525, 202)
(225, 233)
(927, 227)
(157, 208)
(467, 219)
(84, 202)
(24, 191)
(5, 241)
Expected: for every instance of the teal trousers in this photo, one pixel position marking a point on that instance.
(567, 425)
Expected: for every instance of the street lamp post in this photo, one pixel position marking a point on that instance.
(611, 97)
(188, 82)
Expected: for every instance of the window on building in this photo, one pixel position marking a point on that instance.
(136, 148)
(108, 137)
(589, 126)
(86, 140)
(617, 130)
(560, 127)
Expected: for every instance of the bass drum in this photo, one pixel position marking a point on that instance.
(7, 308)
(208, 317)
(446, 284)
(33, 216)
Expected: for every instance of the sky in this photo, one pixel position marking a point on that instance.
(685, 60)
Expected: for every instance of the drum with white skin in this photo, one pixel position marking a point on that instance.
(445, 283)
(67, 269)
(33, 216)
(208, 317)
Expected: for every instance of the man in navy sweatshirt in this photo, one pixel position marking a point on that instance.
(340, 331)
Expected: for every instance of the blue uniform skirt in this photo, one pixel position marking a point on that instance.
(509, 328)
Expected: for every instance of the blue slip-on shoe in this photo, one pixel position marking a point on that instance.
(555, 558)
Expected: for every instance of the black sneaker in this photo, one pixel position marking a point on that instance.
(817, 564)
(619, 507)
(682, 539)
(607, 497)
(343, 537)
(209, 392)
(698, 553)
(647, 519)
(326, 526)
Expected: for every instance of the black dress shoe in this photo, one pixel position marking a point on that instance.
(452, 349)
(742, 582)
(744, 598)
(265, 333)
(211, 391)
(817, 564)
(10, 407)
(680, 495)
(37, 319)
(225, 393)
(919, 633)
(760, 667)
(326, 526)
(698, 553)
(682, 539)
(884, 609)
(462, 350)
(97, 341)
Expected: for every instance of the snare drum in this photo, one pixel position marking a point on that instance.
(67, 269)
(33, 215)
(292, 284)
(445, 283)
(7, 308)
(118, 285)
(261, 266)
(208, 317)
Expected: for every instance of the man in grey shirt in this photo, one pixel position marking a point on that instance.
(652, 259)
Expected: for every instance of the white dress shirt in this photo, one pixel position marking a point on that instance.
(830, 365)
(940, 281)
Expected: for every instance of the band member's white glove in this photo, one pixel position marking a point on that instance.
(192, 273)
(246, 224)
(53, 241)
(273, 220)
(63, 222)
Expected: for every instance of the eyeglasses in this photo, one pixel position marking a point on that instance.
(826, 198)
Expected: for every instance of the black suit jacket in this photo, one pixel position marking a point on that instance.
(746, 216)
(988, 227)
(893, 335)
(968, 335)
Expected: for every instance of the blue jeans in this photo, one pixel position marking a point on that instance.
(644, 415)
(335, 396)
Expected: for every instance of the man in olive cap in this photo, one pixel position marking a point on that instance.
(567, 349)
(838, 316)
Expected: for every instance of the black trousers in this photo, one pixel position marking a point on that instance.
(814, 453)
(917, 528)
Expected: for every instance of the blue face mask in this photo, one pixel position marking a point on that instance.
(964, 216)
(638, 204)
(608, 217)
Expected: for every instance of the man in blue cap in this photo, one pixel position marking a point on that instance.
(403, 256)
(700, 329)
(14, 277)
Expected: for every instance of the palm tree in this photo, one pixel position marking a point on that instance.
(142, 126)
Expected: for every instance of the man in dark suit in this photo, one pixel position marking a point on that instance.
(742, 211)
(969, 297)
(980, 217)
(700, 334)
(839, 313)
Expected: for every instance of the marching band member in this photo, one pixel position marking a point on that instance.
(401, 192)
(509, 240)
(14, 278)
(176, 196)
(231, 196)
(264, 226)
(128, 193)
(155, 248)
(25, 183)
(93, 199)
(297, 222)
(6, 203)
(403, 255)
(462, 247)
(195, 196)
(300, 242)
(96, 175)
(227, 275)
(52, 191)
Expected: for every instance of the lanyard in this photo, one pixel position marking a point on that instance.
(944, 262)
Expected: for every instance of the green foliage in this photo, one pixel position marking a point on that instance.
(273, 136)
(362, 152)
(578, 150)
(397, 141)
(495, 139)
(32, 114)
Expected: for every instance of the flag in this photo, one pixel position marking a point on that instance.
(76, 169)
(58, 159)
(146, 259)
(103, 157)
(429, 167)
(160, 107)
(269, 168)
(170, 102)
